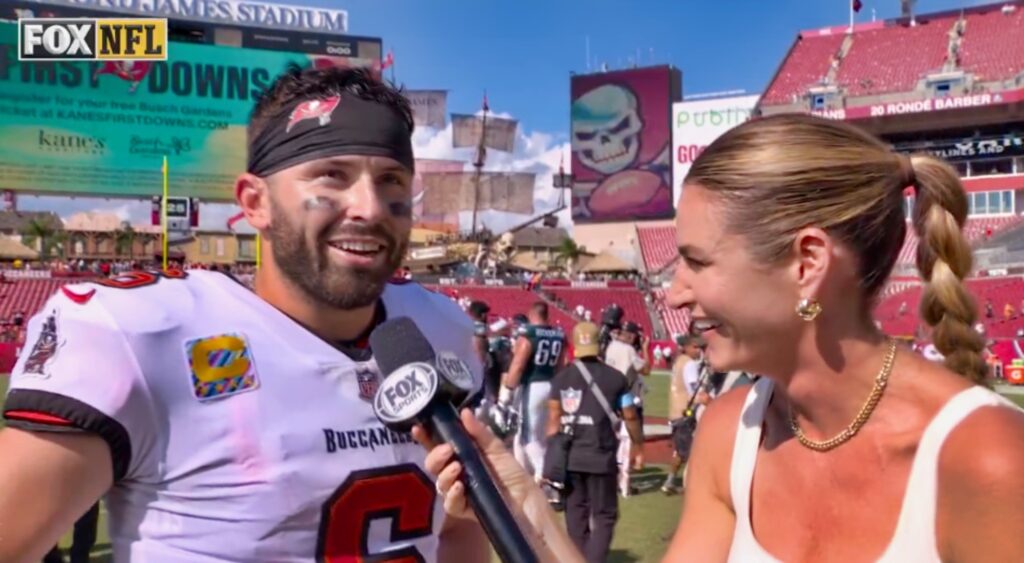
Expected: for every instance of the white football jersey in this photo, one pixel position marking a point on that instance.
(236, 434)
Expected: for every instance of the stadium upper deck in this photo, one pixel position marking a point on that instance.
(893, 76)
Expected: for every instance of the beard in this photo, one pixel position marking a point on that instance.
(311, 269)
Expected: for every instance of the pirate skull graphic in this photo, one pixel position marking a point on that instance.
(606, 127)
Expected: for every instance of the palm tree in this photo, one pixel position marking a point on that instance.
(42, 235)
(568, 253)
(124, 238)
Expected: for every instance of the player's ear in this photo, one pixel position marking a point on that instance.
(253, 197)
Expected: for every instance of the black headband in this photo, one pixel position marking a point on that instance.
(342, 124)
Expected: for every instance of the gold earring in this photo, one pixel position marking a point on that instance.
(808, 309)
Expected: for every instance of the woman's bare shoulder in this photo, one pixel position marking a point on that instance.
(726, 409)
(719, 424)
(981, 486)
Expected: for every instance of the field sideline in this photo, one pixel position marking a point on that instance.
(646, 520)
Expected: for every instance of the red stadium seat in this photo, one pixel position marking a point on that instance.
(993, 44)
(807, 64)
(506, 302)
(977, 230)
(999, 290)
(658, 246)
(676, 321)
(631, 300)
(894, 58)
(26, 295)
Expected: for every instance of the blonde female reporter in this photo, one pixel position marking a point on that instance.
(851, 448)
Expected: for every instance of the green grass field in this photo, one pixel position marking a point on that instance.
(646, 521)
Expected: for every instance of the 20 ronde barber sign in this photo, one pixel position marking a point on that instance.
(924, 106)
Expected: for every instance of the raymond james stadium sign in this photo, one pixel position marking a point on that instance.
(239, 12)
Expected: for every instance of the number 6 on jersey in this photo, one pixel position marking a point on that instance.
(401, 493)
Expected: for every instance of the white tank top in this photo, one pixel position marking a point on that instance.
(914, 539)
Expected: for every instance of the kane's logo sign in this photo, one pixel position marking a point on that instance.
(103, 39)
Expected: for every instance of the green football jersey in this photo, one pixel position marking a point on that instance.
(547, 344)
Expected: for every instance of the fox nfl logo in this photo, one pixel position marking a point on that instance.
(92, 39)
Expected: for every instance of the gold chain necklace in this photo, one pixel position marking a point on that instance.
(865, 411)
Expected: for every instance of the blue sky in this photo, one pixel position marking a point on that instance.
(522, 53)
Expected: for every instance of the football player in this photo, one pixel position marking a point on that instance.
(538, 354)
(229, 424)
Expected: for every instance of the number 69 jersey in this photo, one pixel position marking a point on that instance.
(546, 345)
(235, 433)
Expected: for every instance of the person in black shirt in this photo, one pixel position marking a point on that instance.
(592, 505)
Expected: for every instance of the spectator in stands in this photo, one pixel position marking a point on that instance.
(1008, 312)
(989, 313)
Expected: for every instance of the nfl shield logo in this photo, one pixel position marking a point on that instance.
(368, 383)
(571, 400)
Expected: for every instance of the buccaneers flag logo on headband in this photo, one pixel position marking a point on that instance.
(320, 110)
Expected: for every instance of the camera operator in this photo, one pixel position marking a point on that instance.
(611, 321)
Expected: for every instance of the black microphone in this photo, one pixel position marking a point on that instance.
(420, 386)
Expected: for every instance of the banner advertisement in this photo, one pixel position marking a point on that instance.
(1006, 146)
(429, 107)
(451, 192)
(696, 124)
(103, 127)
(501, 133)
(924, 106)
(621, 144)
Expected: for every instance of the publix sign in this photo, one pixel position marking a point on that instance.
(697, 123)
